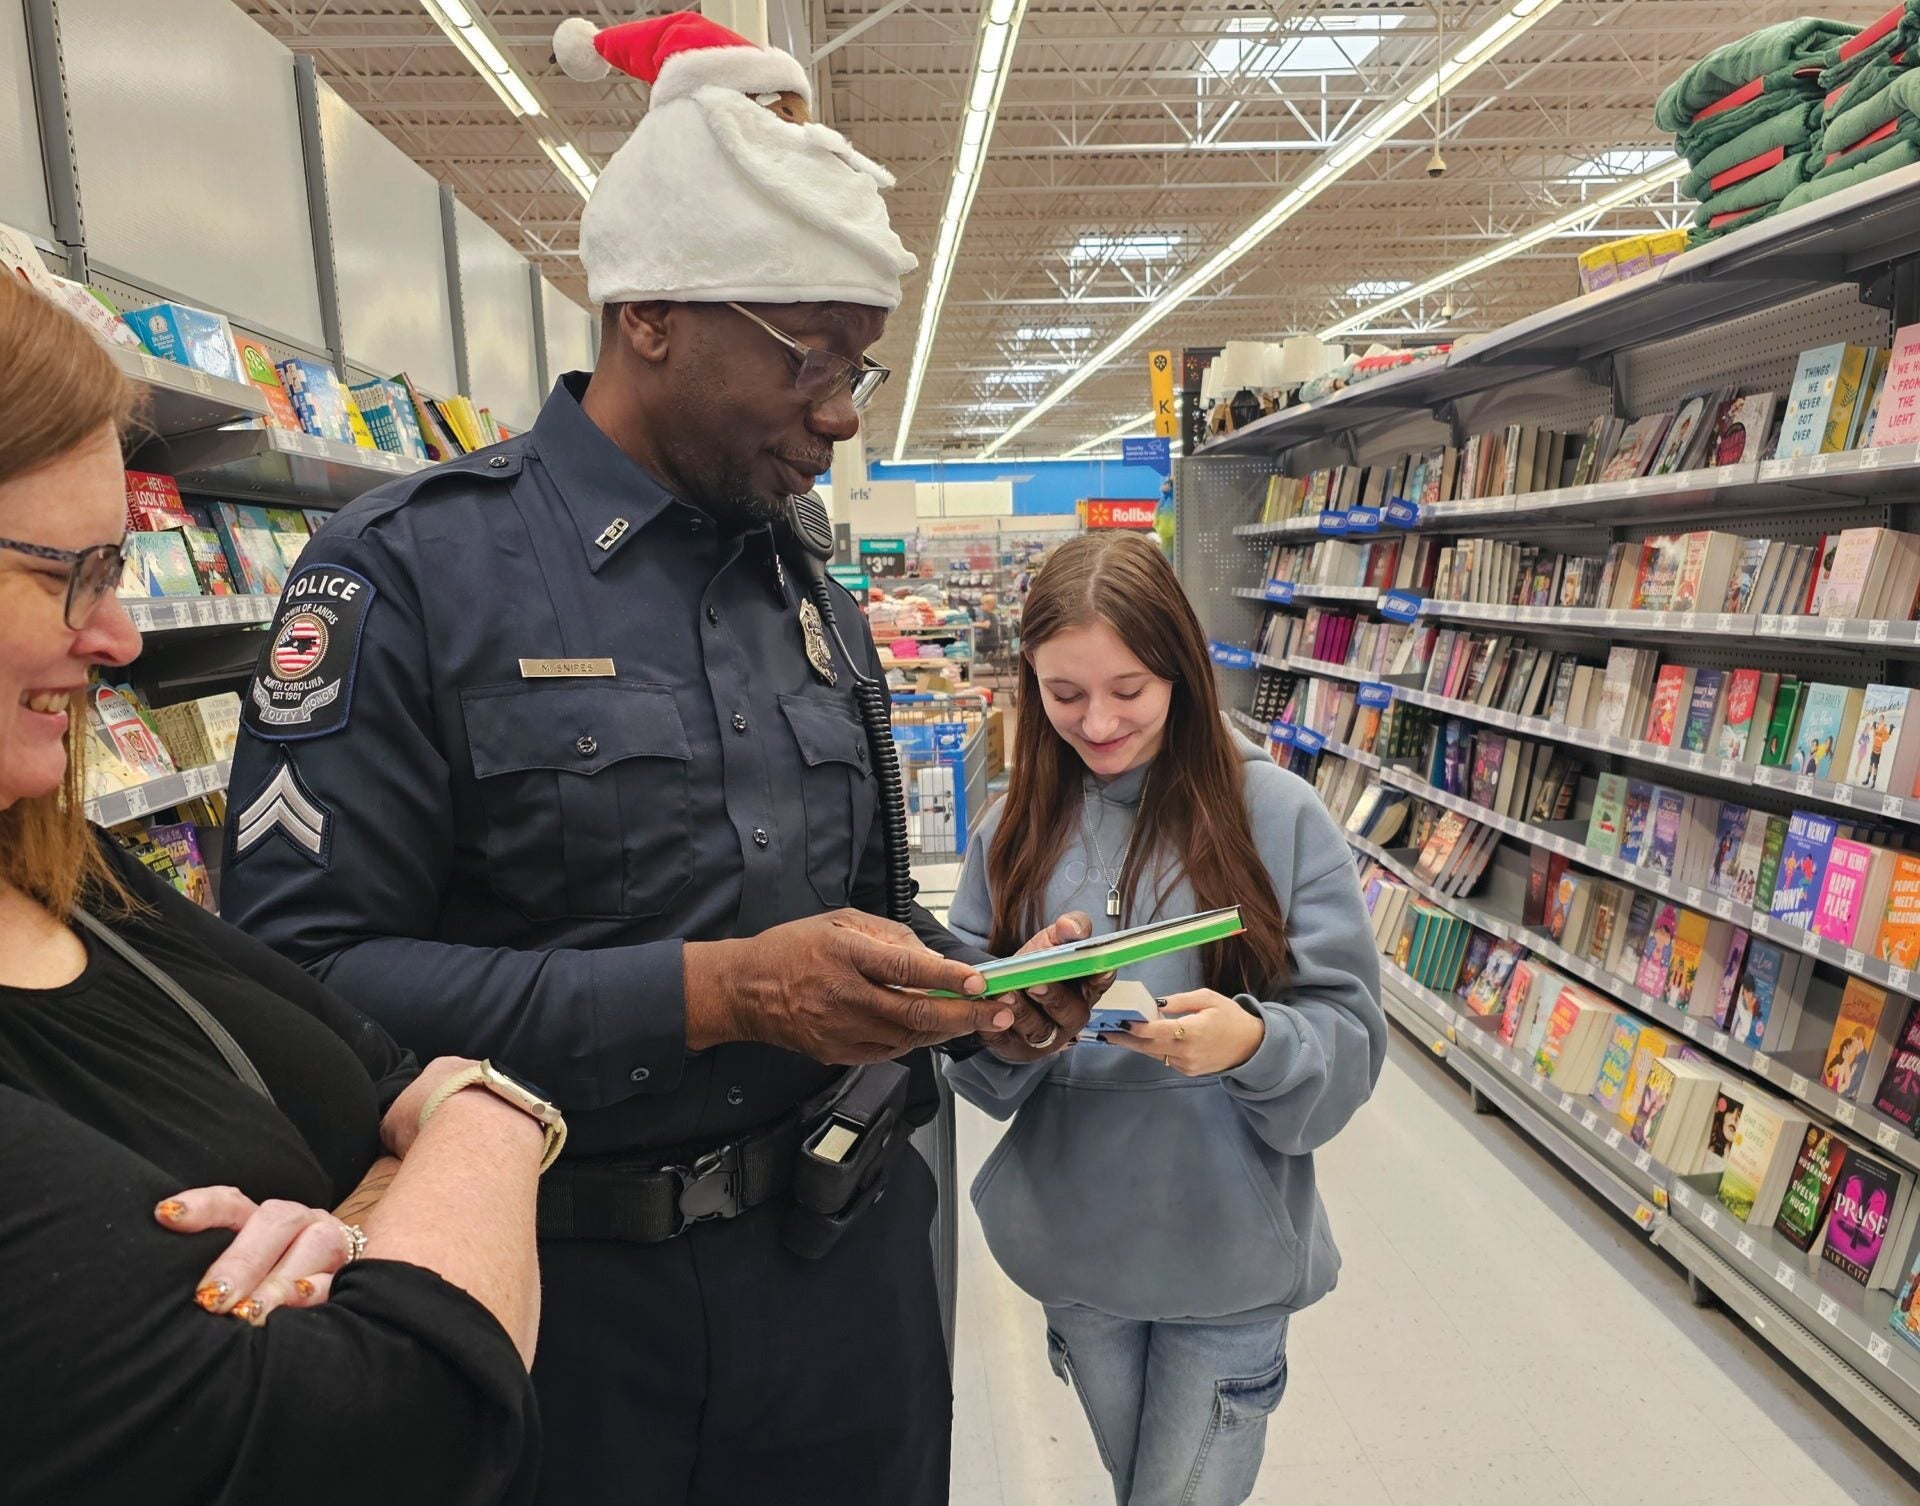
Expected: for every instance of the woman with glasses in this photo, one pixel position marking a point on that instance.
(249, 1252)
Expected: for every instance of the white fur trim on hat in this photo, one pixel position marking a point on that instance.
(574, 51)
(714, 198)
(748, 70)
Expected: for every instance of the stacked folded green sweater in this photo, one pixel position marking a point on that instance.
(1748, 118)
(1871, 111)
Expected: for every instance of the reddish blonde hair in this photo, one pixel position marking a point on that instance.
(58, 389)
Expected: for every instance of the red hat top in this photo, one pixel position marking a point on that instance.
(677, 54)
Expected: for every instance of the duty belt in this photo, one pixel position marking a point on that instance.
(641, 1201)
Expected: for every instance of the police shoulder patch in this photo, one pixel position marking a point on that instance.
(303, 685)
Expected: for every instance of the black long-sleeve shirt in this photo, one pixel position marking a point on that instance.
(114, 1385)
(535, 723)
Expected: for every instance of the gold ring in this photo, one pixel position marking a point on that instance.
(1166, 1061)
(1179, 1032)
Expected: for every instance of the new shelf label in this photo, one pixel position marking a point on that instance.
(1363, 520)
(1310, 741)
(1400, 606)
(1334, 523)
(1400, 513)
(1229, 657)
(1375, 694)
(1280, 592)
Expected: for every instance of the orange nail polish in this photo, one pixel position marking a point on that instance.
(172, 1210)
(213, 1294)
(248, 1310)
(304, 1287)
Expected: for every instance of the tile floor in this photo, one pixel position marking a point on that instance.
(1497, 1337)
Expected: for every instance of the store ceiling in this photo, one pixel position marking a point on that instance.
(1135, 138)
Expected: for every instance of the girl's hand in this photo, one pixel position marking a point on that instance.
(283, 1254)
(402, 1123)
(1199, 1034)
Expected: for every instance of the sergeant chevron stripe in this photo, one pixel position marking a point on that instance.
(285, 807)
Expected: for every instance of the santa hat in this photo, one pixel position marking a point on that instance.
(715, 198)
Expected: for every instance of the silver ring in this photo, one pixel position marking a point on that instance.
(356, 1241)
(1052, 1036)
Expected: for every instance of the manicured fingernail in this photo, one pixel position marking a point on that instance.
(1003, 1020)
(215, 1292)
(172, 1210)
(304, 1287)
(248, 1310)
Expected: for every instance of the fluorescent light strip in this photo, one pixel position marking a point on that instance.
(1514, 22)
(1574, 219)
(479, 48)
(1144, 421)
(572, 166)
(999, 29)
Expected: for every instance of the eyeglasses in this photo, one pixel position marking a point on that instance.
(91, 574)
(821, 376)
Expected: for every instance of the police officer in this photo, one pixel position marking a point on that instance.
(550, 759)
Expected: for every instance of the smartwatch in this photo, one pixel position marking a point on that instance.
(532, 1104)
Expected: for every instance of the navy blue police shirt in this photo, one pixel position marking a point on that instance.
(524, 724)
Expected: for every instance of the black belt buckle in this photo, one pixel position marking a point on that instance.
(708, 1189)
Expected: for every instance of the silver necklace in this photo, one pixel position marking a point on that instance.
(1113, 890)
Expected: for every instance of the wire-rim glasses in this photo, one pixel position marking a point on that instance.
(91, 574)
(820, 375)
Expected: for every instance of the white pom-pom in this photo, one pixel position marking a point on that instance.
(574, 51)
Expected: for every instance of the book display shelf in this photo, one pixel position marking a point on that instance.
(1628, 750)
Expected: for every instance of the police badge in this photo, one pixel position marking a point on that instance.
(817, 653)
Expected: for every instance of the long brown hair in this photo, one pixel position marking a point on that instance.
(58, 389)
(1194, 806)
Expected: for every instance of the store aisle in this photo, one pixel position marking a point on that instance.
(1497, 1339)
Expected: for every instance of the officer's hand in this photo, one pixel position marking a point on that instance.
(1048, 1018)
(833, 987)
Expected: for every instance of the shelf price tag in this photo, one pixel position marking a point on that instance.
(1829, 1310)
(1691, 1027)
(1769, 626)
(1643, 1216)
(1762, 1063)
(1400, 513)
(1643, 1161)
(1877, 629)
(1887, 1135)
(1709, 1216)
(1333, 523)
(1843, 794)
(1744, 1244)
(1279, 592)
(1363, 520)
(1566, 1103)
(1693, 897)
(1783, 1274)
(1836, 627)
(1798, 1085)
(1855, 960)
(1763, 924)
(1720, 1042)
(1400, 606)
(1843, 1111)
(1723, 622)
(1724, 909)
(1613, 1139)
(1878, 1347)
(1697, 762)
(1803, 785)
(1809, 942)
(1589, 1121)
(1894, 806)
(1898, 979)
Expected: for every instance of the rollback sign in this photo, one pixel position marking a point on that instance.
(303, 686)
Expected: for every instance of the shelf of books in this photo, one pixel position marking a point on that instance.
(166, 615)
(177, 400)
(1609, 669)
(162, 793)
(304, 470)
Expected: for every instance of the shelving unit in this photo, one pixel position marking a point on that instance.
(297, 470)
(177, 400)
(1738, 311)
(159, 794)
(172, 614)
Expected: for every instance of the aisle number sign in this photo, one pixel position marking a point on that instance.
(1166, 422)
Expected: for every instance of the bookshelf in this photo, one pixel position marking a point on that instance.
(275, 465)
(1738, 312)
(158, 794)
(177, 400)
(179, 613)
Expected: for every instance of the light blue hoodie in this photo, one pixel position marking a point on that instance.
(1124, 1186)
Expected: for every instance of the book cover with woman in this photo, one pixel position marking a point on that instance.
(1156, 1193)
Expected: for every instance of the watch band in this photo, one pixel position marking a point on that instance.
(481, 1075)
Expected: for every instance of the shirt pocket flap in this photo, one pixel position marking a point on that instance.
(575, 729)
(826, 733)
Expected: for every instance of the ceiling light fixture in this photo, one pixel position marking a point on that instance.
(1451, 70)
(574, 167)
(1577, 218)
(477, 44)
(1144, 421)
(999, 28)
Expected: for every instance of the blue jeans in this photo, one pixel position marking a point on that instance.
(1179, 1410)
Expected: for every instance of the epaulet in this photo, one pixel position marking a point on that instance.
(497, 463)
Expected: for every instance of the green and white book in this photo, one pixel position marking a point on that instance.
(1103, 954)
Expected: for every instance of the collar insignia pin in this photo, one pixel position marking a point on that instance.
(613, 533)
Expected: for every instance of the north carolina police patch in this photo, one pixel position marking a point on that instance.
(303, 684)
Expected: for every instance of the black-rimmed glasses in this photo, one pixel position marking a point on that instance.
(91, 574)
(820, 375)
